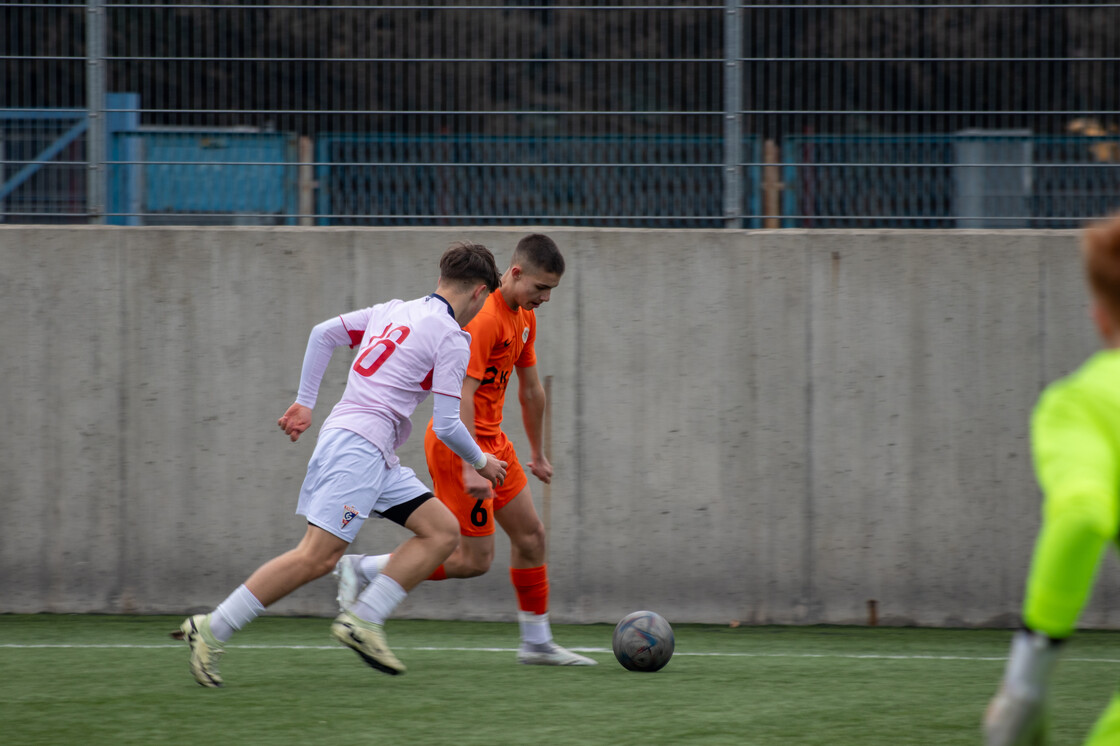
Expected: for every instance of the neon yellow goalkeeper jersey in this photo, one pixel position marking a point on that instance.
(1075, 435)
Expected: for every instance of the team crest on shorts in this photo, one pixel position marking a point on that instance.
(348, 514)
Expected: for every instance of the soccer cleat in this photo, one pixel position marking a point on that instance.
(367, 640)
(349, 582)
(205, 649)
(551, 654)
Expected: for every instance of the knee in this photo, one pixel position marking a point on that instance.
(448, 541)
(445, 533)
(319, 565)
(318, 552)
(326, 565)
(530, 541)
(477, 563)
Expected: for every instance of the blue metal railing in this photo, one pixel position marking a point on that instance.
(649, 181)
(966, 179)
(248, 178)
(972, 179)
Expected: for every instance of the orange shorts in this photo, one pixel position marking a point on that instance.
(476, 517)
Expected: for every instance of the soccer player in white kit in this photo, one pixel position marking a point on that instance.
(406, 350)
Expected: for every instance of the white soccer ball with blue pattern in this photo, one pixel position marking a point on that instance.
(643, 641)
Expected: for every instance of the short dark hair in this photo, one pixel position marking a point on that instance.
(540, 252)
(467, 261)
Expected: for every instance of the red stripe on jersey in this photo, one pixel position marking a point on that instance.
(355, 334)
(453, 396)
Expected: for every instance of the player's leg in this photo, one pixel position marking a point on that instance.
(312, 558)
(354, 572)
(336, 497)
(529, 575)
(471, 557)
(436, 535)
(1107, 730)
(518, 518)
(407, 502)
(475, 552)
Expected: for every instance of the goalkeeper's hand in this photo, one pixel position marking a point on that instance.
(1016, 716)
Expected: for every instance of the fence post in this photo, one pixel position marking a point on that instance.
(97, 132)
(732, 115)
(771, 185)
(123, 172)
(306, 181)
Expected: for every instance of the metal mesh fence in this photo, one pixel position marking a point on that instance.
(762, 114)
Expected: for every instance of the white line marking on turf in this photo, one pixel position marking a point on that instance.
(444, 649)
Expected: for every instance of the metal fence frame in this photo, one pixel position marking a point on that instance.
(747, 159)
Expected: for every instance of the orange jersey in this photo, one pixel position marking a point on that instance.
(500, 340)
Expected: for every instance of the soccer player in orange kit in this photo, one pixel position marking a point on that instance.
(502, 342)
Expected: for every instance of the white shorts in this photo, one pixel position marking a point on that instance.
(347, 481)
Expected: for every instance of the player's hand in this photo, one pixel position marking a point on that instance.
(1015, 720)
(295, 421)
(476, 485)
(541, 469)
(495, 470)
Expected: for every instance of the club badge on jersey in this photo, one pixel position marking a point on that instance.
(349, 513)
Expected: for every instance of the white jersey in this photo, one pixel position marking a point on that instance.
(406, 350)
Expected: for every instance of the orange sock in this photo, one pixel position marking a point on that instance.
(531, 584)
(439, 574)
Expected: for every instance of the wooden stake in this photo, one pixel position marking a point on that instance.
(546, 491)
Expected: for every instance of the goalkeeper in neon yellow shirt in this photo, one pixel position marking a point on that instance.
(1075, 435)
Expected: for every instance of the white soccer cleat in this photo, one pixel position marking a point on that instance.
(551, 654)
(205, 649)
(349, 581)
(367, 640)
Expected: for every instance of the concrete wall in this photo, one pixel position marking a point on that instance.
(771, 427)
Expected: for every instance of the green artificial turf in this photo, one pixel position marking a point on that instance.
(122, 680)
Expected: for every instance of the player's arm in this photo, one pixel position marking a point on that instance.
(473, 482)
(531, 394)
(325, 337)
(448, 426)
(452, 374)
(1077, 467)
(1077, 470)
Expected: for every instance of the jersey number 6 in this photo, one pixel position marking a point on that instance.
(479, 515)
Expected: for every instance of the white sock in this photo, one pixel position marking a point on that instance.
(371, 565)
(378, 600)
(240, 608)
(535, 629)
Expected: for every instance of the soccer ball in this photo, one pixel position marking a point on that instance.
(643, 641)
